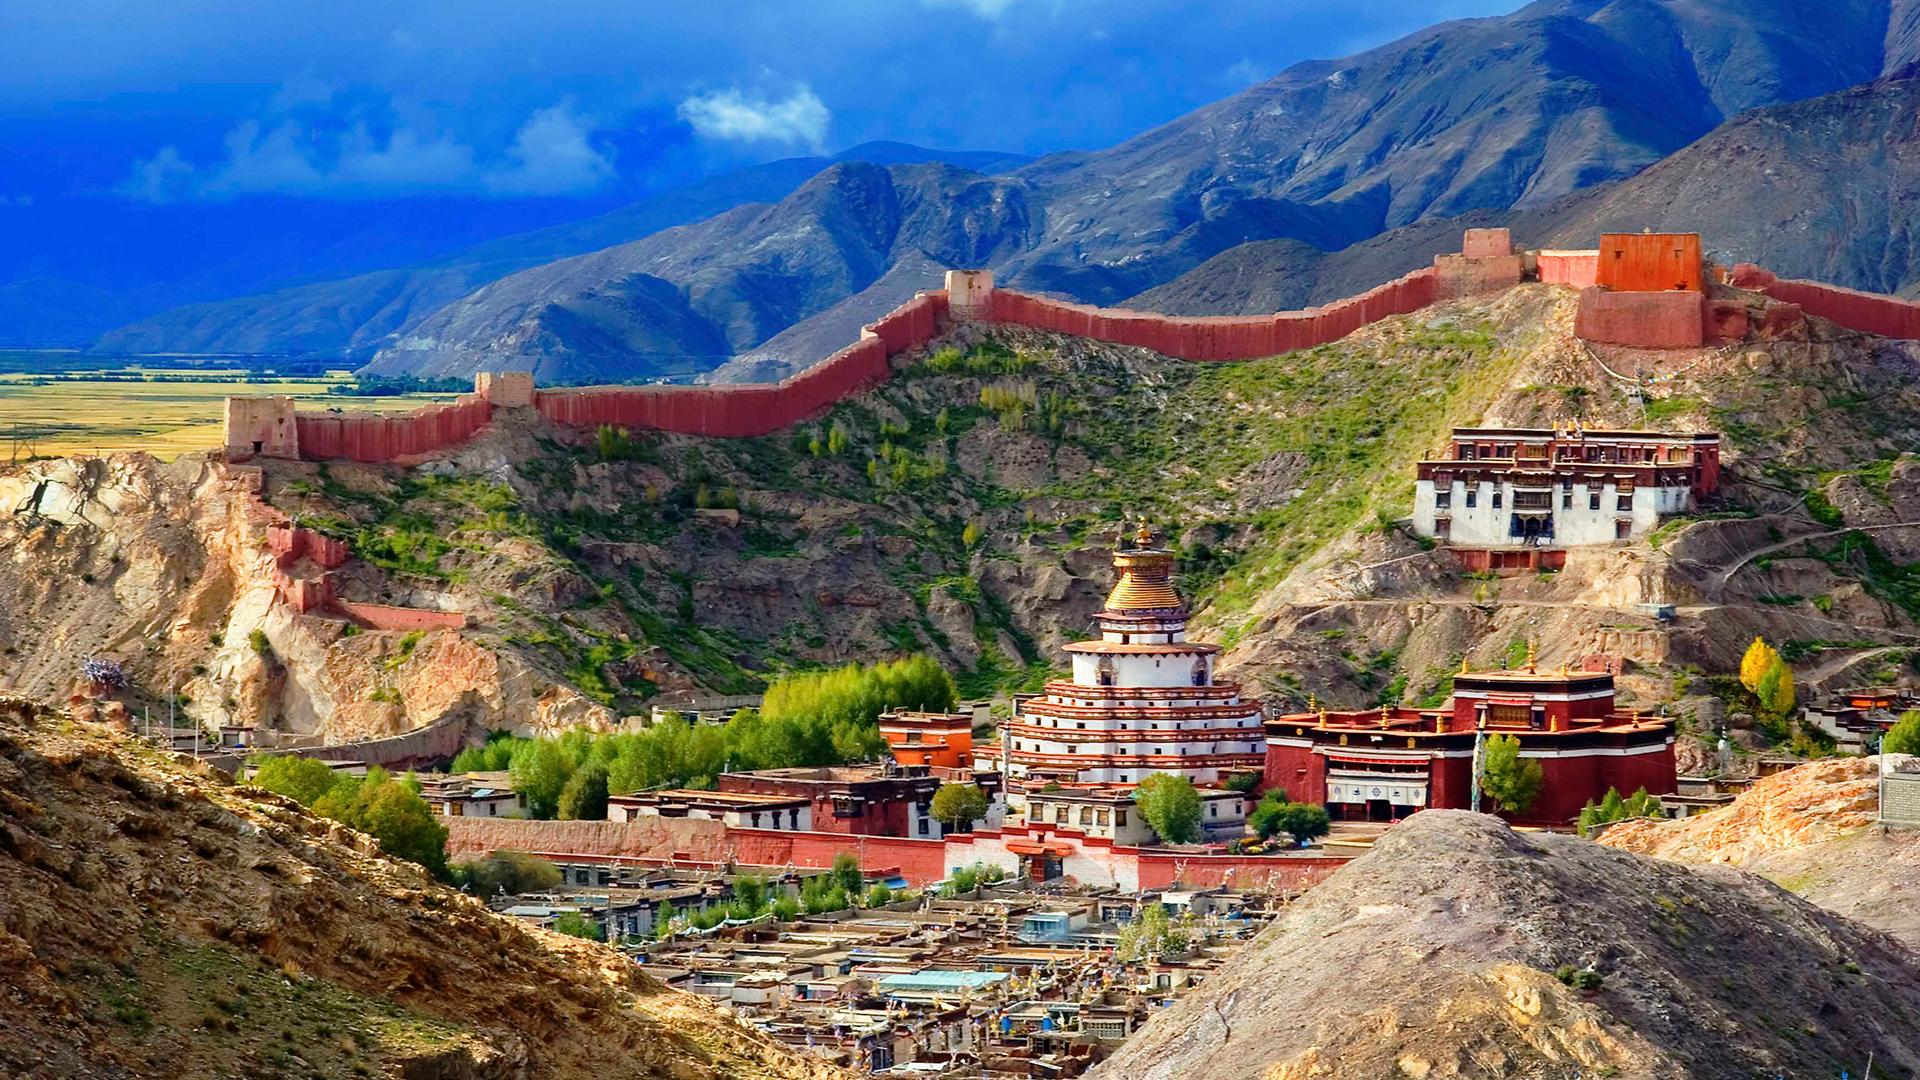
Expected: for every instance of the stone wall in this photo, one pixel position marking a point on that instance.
(266, 426)
(1216, 338)
(388, 617)
(1643, 320)
(1575, 269)
(430, 745)
(382, 437)
(1869, 313)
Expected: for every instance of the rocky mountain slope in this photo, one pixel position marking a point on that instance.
(967, 509)
(1817, 189)
(1507, 112)
(1456, 947)
(354, 316)
(1811, 831)
(157, 921)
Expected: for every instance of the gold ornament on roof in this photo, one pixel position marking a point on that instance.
(1463, 665)
(1533, 654)
(1143, 536)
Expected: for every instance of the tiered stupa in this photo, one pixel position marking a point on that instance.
(1142, 698)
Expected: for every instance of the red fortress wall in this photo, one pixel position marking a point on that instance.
(1869, 313)
(1617, 311)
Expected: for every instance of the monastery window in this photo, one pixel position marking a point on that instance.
(1213, 809)
(1443, 527)
(1120, 818)
(1623, 530)
(1473, 496)
(1566, 500)
(1624, 502)
(1443, 500)
(1157, 750)
(1509, 715)
(1593, 499)
(1081, 724)
(1466, 452)
(1086, 815)
(1496, 498)
(1200, 672)
(1104, 673)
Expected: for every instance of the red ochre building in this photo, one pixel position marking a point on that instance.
(1383, 764)
(940, 740)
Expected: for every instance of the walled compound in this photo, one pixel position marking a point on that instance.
(1645, 290)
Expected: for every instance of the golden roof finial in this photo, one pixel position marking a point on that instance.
(1463, 665)
(1143, 536)
(1313, 702)
(1323, 718)
(1383, 714)
(1533, 654)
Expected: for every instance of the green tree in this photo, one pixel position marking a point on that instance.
(540, 770)
(1275, 815)
(1904, 736)
(303, 780)
(970, 535)
(750, 894)
(1513, 782)
(1171, 805)
(786, 908)
(512, 872)
(958, 806)
(846, 873)
(1612, 807)
(879, 895)
(663, 920)
(1152, 934)
(578, 925)
(585, 796)
(1775, 690)
(406, 826)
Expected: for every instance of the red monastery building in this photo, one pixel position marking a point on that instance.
(1382, 764)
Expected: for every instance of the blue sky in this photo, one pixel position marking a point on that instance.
(207, 100)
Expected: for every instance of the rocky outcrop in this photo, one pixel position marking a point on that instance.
(156, 921)
(1459, 948)
(1810, 830)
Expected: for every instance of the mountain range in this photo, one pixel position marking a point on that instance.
(1559, 118)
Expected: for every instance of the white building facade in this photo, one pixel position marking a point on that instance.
(1502, 487)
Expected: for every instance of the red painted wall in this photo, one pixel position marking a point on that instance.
(1870, 313)
(1643, 320)
(388, 617)
(1576, 269)
(1276, 873)
(1650, 262)
(376, 437)
(1214, 338)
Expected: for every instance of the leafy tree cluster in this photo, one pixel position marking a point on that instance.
(958, 806)
(1904, 736)
(1513, 782)
(1614, 808)
(1171, 805)
(1764, 672)
(812, 718)
(968, 878)
(509, 872)
(1300, 820)
(384, 807)
(1152, 935)
(578, 925)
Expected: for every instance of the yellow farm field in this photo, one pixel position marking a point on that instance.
(164, 417)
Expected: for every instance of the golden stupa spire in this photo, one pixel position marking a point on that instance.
(1146, 576)
(1533, 654)
(1463, 665)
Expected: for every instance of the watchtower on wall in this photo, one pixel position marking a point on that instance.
(261, 427)
(505, 389)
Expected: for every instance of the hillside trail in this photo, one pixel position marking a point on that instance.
(1725, 575)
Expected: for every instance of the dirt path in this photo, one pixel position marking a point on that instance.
(1726, 575)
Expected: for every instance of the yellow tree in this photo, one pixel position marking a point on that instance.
(1754, 665)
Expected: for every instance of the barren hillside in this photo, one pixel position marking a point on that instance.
(1460, 948)
(157, 921)
(1810, 830)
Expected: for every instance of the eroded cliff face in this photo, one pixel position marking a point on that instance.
(156, 920)
(165, 568)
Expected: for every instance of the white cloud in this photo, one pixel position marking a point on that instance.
(551, 154)
(799, 119)
(986, 9)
